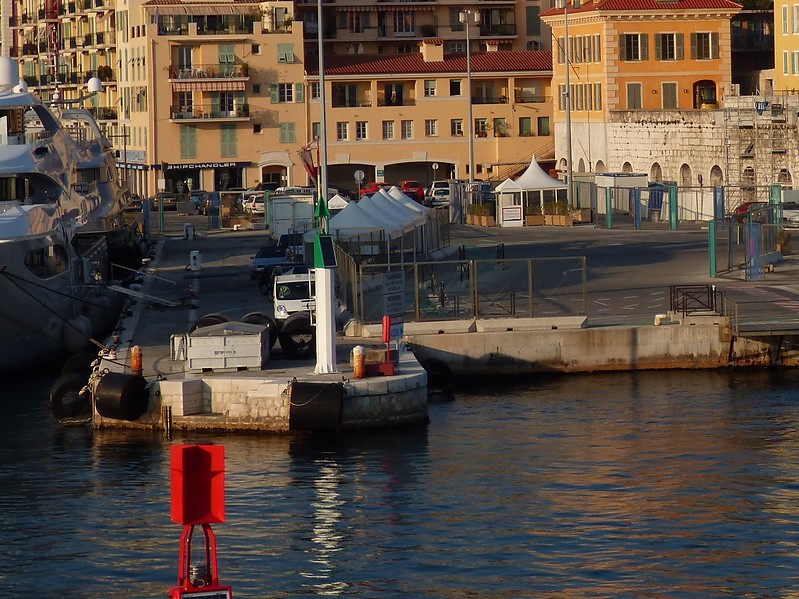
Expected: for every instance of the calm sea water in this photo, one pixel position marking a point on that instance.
(625, 485)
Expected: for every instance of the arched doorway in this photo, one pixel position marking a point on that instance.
(784, 178)
(627, 167)
(655, 174)
(685, 176)
(716, 176)
(600, 167)
(581, 166)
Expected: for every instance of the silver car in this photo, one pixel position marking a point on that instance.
(790, 214)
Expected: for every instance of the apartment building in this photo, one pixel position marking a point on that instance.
(406, 116)
(635, 57)
(367, 27)
(786, 47)
(60, 45)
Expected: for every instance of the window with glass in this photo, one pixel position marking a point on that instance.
(316, 130)
(407, 129)
(430, 127)
(455, 87)
(456, 127)
(634, 99)
(429, 87)
(360, 130)
(668, 46)
(285, 92)
(704, 46)
(388, 129)
(480, 127)
(404, 22)
(543, 125)
(185, 103)
(315, 90)
(525, 126)
(633, 47)
(597, 96)
(225, 104)
(561, 97)
(342, 131)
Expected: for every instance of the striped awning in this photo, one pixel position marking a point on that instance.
(209, 86)
(204, 9)
(395, 8)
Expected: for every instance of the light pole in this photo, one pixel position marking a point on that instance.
(464, 18)
(567, 94)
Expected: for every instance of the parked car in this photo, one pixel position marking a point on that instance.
(740, 214)
(790, 214)
(266, 256)
(169, 201)
(197, 197)
(413, 190)
(256, 205)
(438, 197)
(293, 293)
(374, 187)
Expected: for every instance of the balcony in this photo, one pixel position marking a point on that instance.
(103, 113)
(498, 29)
(203, 112)
(215, 71)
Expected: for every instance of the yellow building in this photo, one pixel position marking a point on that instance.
(635, 55)
(406, 116)
(786, 47)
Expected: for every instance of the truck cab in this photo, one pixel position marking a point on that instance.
(294, 293)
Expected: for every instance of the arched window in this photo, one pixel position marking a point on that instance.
(600, 167)
(655, 174)
(784, 178)
(716, 175)
(685, 176)
(627, 168)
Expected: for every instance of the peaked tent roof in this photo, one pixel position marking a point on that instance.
(337, 203)
(508, 186)
(353, 218)
(535, 178)
(398, 196)
(377, 206)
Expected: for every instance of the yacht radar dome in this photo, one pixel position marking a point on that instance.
(94, 85)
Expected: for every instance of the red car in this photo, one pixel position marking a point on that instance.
(413, 190)
(373, 187)
(742, 212)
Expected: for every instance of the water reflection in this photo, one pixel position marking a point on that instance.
(640, 484)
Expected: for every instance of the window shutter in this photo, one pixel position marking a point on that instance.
(623, 48)
(693, 46)
(299, 91)
(215, 104)
(274, 93)
(644, 41)
(714, 45)
(658, 47)
(678, 46)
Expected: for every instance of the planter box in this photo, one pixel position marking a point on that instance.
(487, 221)
(534, 220)
(557, 220)
(471, 219)
(581, 215)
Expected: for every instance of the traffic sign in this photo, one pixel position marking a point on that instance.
(359, 175)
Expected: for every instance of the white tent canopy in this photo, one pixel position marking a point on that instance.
(337, 203)
(508, 186)
(377, 206)
(354, 220)
(400, 207)
(397, 195)
(534, 178)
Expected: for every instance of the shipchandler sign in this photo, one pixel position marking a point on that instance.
(175, 167)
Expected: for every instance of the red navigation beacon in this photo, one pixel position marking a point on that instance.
(198, 497)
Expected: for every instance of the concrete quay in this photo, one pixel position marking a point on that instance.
(284, 395)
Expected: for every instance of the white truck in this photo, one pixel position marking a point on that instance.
(290, 213)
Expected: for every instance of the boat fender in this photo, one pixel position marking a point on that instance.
(298, 336)
(208, 320)
(266, 322)
(121, 396)
(70, 400)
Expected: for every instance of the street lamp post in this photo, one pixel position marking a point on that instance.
(569, 171)
(464, 18)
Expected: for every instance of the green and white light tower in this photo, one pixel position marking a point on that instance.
(324, 252)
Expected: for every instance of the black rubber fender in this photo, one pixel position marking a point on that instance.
(298, 336)
(207, 320)
(122, 396)
(66, 402)
(265, 321)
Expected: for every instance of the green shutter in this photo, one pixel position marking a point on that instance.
(188, 141)
(623, 48)
(274, 93)
(533, 20)
(714, 45)
(215, 104)
(283, 133)
(644, 41)
(292, 135)
(298, 92)
(228, 141)
(678, 47)
(658, 47)
(693, 46)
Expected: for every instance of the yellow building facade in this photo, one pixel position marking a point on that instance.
(642, 55)
(786, 47)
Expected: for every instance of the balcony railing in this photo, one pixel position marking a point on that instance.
(208, 111)
(215, 71)
(103, 113)
(507, 29)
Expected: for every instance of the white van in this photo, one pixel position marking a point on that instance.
(294, 293)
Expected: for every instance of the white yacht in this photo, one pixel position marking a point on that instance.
(60, 224)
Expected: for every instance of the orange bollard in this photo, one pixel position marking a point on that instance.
(135, 360)
(358, 362)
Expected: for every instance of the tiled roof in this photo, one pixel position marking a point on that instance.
(646, 5)
(384, 64)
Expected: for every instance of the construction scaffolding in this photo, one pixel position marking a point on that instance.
(757, 130)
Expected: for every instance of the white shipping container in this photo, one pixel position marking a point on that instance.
(227, 346)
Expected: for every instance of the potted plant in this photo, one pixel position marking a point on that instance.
(486, 214)
(560, 216)
(783, 242)
(472, 214)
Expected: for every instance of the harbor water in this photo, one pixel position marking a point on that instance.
(679, 484)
